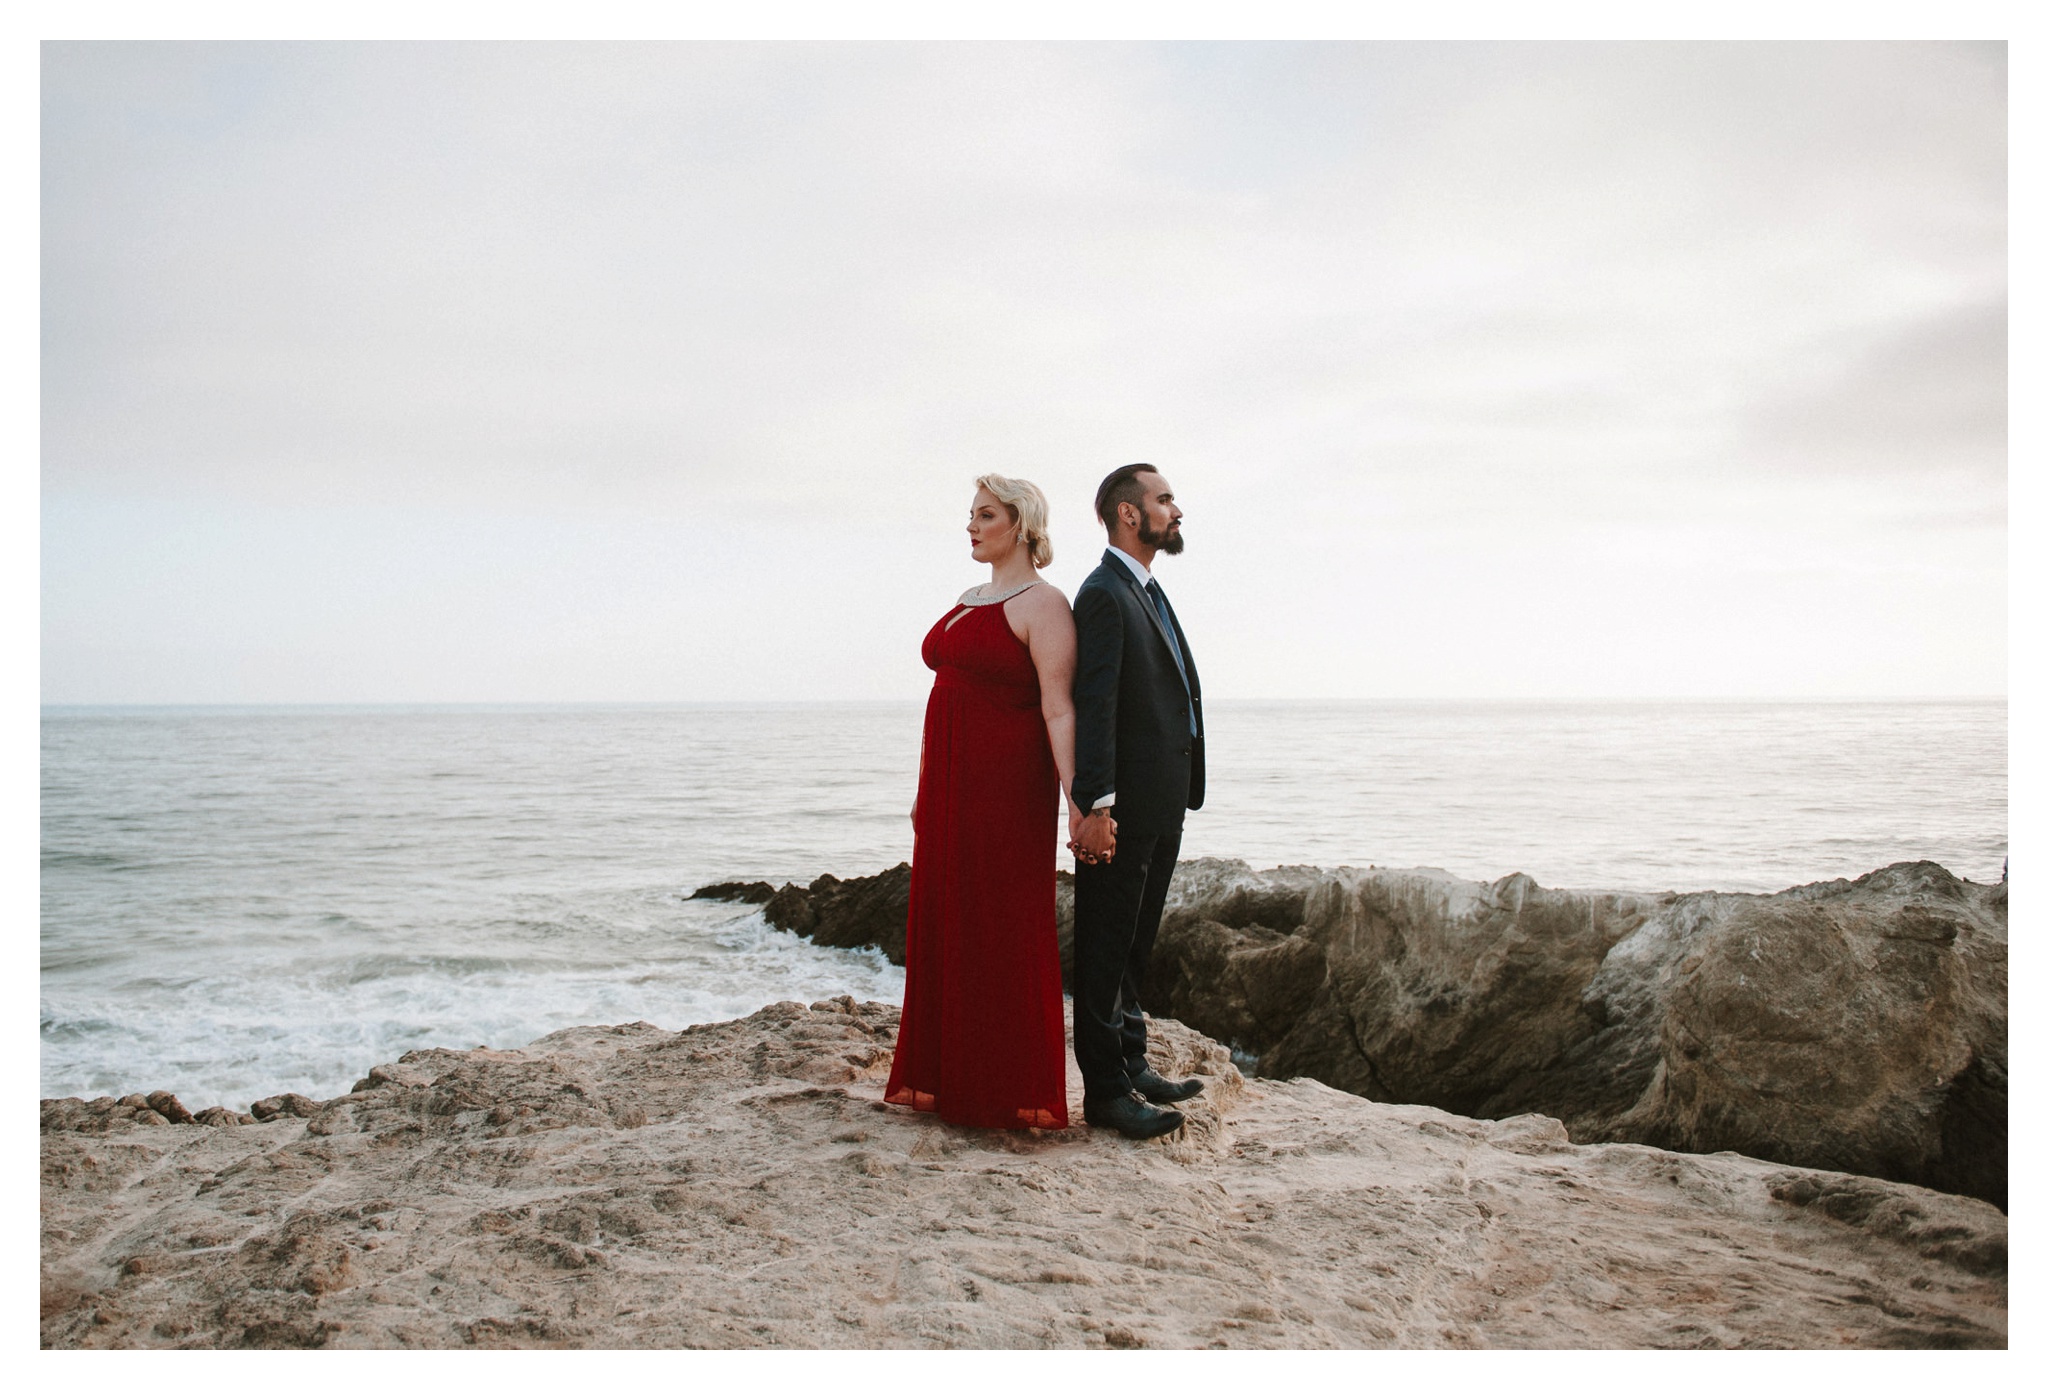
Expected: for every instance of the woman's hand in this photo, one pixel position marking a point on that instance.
(1074, 822)
(1096, 842)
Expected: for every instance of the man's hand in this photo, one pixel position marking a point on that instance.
(1095, 843)
(1074, 821)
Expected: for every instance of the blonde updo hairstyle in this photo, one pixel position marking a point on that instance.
(1026, 505)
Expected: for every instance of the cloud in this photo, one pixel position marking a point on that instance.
(1926, 397)
(1451, 297)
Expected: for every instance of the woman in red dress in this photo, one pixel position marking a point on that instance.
(983, 1038)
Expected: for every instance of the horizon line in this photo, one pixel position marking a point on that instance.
(47, 706)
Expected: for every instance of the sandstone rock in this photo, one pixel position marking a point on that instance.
(166, 1105)
(404, 1072)
(764, 1196)
(289, 1105)
(1857, 1026)
(1860, 1027)
(105, 1114)
(72, 1113)
(1929, 1222)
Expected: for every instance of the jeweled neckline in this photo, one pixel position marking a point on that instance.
(975, 598)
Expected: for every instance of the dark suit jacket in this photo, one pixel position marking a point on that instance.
(1131, 708)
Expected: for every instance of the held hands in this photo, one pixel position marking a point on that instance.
(1094, 836)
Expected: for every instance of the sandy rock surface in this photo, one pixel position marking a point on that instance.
(1855, 1025)
(740, 1184)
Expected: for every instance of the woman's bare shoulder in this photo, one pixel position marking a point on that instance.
(1039, 610)
(1043, 601)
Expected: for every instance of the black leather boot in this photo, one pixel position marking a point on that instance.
(1157, 1089)
(1130, 1116)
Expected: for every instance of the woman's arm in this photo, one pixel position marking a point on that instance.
(1047, 631)
(1097, 673)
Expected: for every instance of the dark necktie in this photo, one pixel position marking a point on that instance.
(1158, 597)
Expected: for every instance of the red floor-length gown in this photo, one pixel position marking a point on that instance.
(983, 1040)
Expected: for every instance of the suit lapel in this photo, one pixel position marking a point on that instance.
(1182, 658)
(1187, 658)
(1184, 664)
(1144, 599)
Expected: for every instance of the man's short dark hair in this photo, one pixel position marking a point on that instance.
(1120, 487)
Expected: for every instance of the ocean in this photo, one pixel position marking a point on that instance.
(238, 902)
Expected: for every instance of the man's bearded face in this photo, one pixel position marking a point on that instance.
(1167, 540)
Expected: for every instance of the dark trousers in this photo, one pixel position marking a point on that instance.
(1116, 917)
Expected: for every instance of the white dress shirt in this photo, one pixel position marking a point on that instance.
(1138, 567)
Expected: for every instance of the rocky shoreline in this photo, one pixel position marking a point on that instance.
(1857, 1026)
(1481, 1115)
(741, 1185)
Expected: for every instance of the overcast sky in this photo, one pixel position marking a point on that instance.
(480, 372)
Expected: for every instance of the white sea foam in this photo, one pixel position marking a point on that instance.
(216, 1031)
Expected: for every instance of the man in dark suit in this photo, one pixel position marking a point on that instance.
(1137, 773)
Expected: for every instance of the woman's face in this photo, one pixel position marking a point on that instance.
(991, 534)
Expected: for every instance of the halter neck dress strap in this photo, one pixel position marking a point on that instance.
(975, 598)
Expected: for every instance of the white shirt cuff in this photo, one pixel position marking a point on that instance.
(1104, 802)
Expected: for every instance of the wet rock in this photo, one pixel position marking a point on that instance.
(735, 891)
(872, 911)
